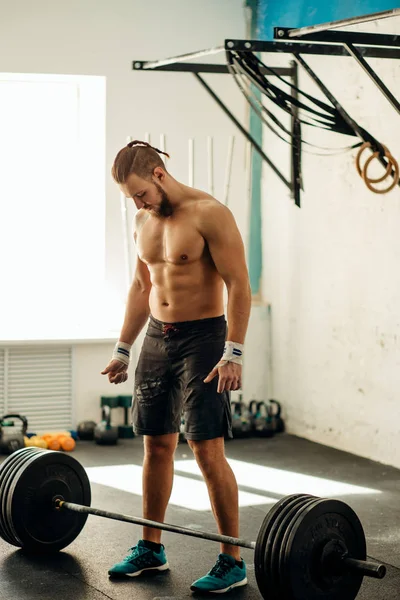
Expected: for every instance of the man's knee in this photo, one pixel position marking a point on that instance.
(160, 446)
(208, 453)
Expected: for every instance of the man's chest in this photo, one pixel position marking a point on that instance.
(171, 241)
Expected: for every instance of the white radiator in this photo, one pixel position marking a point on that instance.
(36, 381)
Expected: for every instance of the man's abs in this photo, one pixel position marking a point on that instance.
(189, 293)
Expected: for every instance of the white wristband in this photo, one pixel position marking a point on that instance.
(233, 352)
(122, 352)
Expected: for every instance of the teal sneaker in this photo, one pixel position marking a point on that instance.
(140, 559)
(224, 576)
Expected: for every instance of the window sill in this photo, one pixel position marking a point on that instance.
(69, 338)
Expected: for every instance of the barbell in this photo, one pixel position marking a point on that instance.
(307, 547)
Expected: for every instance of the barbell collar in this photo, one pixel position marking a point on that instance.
(205, 535)
(366, 568)
(335, 560)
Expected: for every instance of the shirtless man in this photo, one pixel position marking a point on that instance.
(188, 247)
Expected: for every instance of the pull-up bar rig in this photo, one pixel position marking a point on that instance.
(314, 40)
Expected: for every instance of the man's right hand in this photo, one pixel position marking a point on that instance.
(116, 371)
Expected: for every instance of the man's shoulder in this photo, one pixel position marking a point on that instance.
(212, 216)
(212, 211)
(141, 217)
(139, 220)
(206, 204)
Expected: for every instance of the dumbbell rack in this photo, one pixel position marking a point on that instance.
(125, 430)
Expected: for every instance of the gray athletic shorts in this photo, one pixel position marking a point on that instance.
(174, 360)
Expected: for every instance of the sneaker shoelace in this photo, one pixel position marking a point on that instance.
(221, 568)
(138, 554)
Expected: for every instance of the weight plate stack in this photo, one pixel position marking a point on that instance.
(7, 471)
(277, 535)
(323, 525)
(261, 563)
(271, 555)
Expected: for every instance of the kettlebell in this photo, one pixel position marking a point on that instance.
(182, 437)
(245, 419)
(11, 436)
(276, 411)
(104, 433)
(236, 419)
(263, 426)
(253, 413)
(85, 430)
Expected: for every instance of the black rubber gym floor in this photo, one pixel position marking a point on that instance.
(80, 571)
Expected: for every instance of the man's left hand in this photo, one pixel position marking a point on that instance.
(229, 376)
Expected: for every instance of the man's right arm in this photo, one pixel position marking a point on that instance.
(137, 307)
(136, 314)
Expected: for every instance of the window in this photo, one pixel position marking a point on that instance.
(52, 202)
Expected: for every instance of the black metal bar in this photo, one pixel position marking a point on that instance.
(357, 130)
(341, 37)
(371, 73)
(343, 22)
(365, 568)
(308, 48)
(205, 535)
(243, 130)
(137, 65)
(182, 57)
(296, 141)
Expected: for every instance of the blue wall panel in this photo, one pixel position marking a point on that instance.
(278, 13)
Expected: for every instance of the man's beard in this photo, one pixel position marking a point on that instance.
(165, 208)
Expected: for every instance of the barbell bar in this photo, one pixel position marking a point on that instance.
(205, 535)
(307, 547)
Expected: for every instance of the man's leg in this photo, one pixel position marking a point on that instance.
(222, 488)
(158, 472)
(149, 553)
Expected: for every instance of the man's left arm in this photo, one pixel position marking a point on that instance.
(219, 229)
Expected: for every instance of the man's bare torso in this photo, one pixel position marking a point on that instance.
(185, 283)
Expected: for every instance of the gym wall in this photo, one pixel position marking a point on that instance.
(331, 270)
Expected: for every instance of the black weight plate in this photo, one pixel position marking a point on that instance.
(286, 520)
(12, 474)
(23, 463)
(271, 557)
(281, 556)
(4, 468)
(317, 525)
(260, 568)
(37, 525)
(7, 470)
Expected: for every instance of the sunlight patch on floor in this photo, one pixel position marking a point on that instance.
(187, 493)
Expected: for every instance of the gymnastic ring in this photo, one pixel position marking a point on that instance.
(395, 181)
(375, 155)
(391, 163)
(358, 157)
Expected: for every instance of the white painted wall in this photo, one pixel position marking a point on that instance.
(332, 274)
